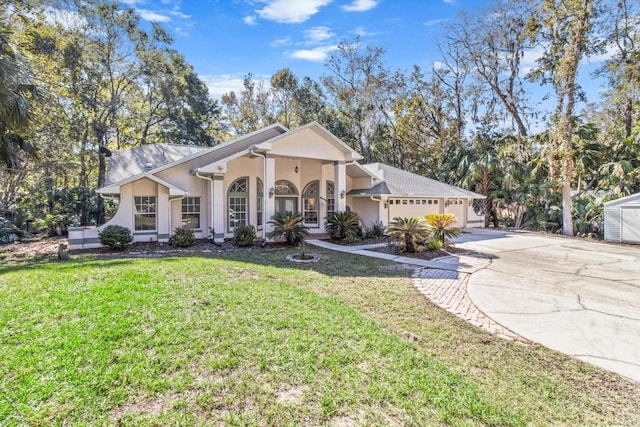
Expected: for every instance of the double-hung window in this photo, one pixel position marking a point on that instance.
(144, 213)
(191, 212)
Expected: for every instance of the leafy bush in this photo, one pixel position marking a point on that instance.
(116, 237)
(341, 223)
(351, 237)
(183, 237)
(244, 235)
(441, 226)
(375, 230)
(9, 232)
(433, 244)
(289, 225)
(409, 229)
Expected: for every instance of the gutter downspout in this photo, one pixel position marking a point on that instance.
(211, 207)
(379, 201)
(171, 201)
(264, 200)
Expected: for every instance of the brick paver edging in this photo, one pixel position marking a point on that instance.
(448, 289)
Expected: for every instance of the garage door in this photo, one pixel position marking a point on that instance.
(631, 224)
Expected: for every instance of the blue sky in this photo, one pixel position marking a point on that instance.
(226, 39)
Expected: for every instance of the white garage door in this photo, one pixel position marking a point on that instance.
(631, 224)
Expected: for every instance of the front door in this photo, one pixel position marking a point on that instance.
(286, 204)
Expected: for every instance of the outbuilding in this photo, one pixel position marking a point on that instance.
(622, 219)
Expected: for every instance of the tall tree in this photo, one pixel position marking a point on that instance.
(492, 44)
(563, 27)
(17, 92)
(361, 87)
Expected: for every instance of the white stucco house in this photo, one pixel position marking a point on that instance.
(245, 181)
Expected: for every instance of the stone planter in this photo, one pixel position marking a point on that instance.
(306, 259)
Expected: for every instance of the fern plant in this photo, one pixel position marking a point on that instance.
(290, 226)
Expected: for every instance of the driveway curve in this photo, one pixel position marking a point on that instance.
(579, 297)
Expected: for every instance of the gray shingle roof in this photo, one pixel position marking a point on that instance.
(397, 182)
(129, 162)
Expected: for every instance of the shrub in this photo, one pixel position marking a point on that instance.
(375, 230)
(289, 225)
(441, 226)
(409, 229)
(244, 235)
(9, 232)
(433, 244)
(183, 237)
(351, 237)
(342, 223)
(116, 237)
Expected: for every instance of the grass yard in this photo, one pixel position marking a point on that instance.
(247, 338)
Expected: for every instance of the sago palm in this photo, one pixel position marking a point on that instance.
(409, 229)
(341, 223)
(441, 226)
(289, 225)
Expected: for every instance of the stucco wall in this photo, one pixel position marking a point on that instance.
(366, 208)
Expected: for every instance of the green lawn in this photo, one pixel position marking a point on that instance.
(246, 338)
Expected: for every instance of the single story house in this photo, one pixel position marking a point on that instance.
(245, 181)
(622, 219)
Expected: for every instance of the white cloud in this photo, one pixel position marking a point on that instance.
(360, 31)
(250, 20)
(150, 15)
(317, 34)
(360, 5)
(280, 42)
(291, 11)
(317, 54)
(220, 84)
(434, 22)
(179, 14)
(132, 2)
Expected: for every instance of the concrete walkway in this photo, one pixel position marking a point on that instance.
(578, 297)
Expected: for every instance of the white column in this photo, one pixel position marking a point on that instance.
(219, 201)
(340, 181)
(269, 186)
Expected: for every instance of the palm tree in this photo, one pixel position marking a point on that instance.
(342, 223)
(289, 225)
(409, 229)
(16, 94)
(441, 226)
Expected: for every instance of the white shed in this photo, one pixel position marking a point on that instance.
(622, 220)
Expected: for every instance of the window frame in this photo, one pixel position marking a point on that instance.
(139, 211)
(237, 196)
(193, 213)
(311, 198)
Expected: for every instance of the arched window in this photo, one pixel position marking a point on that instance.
(285, 188)
(259, 201)
(237, 202)
(286, 197)
(310, 196)
(331, 198)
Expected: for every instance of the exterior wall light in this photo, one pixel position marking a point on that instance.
(272, 191)
(342, 194)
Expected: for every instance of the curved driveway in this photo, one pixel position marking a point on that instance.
(578, 297)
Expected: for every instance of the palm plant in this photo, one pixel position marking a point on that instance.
(409, 229)
(343, 223)
(441, 226)
(16, 95)
(289, 225)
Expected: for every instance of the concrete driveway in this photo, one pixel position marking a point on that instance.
(578, 297)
